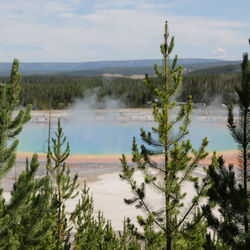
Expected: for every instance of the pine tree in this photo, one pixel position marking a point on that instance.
(92, 233)
(26, 211)
(129, 237)
(10, 125)
(64, 188)
(229, 192)
(227, 195)
(240, 131)
(177, 166)
(82, 218)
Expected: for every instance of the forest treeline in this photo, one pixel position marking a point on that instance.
(60, 92)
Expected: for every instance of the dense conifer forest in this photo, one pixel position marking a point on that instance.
(62, 91)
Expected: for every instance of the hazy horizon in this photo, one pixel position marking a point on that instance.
(124, 60)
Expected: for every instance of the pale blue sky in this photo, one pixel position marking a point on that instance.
(94, 30)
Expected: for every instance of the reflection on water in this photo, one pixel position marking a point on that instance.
(91, 137)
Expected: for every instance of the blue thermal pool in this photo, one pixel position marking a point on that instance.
(92, 137)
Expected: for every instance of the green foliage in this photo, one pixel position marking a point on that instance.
(214, 243)
(219, 70)
(179, 160)
(195, 236)
(10, 125)
(205, 88)
(230, 193)
(63, 91)
(129, 237)
(25, 213)
(64, 188)
(97, 233)
(91, 233)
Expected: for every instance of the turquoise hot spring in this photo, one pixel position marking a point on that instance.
(111, 138)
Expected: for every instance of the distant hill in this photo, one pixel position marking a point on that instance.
(202, 68)
(227, 69)
(127, 67)
(206, 65)
(123, 71)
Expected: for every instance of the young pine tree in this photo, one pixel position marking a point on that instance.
(92, 233)
(129, 237)
(169, 176)
(97, 233)
(10, 125)
(240, 131)
(230, 193)
(64, 188)
(27, 227)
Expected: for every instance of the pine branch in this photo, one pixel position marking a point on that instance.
(192, 206)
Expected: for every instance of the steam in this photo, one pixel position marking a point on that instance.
(90, 101)
(89, 108)
(216, 102)
(217, 105)
(91, 125)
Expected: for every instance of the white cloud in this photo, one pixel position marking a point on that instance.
(67, 15)
(53, 7)
(134, 4)
(198, 30)
(63, 34)
(75, 2)
(113, 4)
(28, 9)
(144, 4)
(219, 52)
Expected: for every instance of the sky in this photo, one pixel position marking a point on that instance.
(100, 30)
